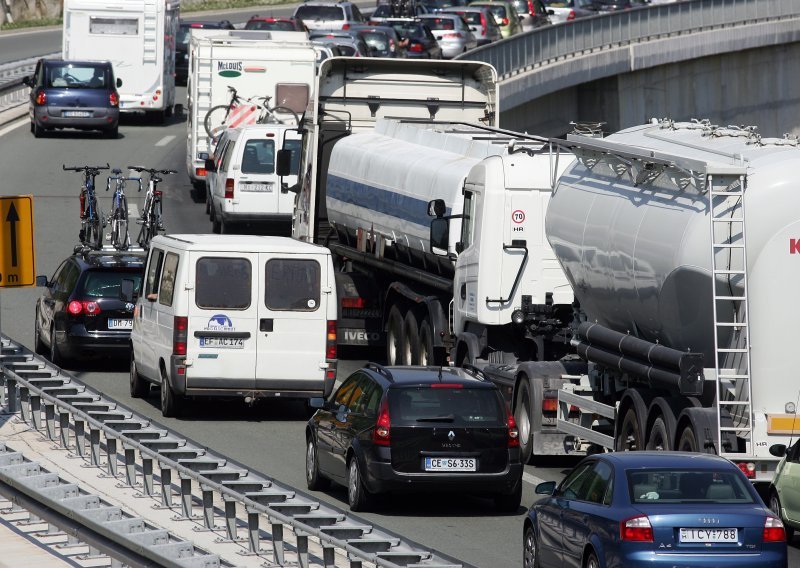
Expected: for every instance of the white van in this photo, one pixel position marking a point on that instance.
(241, 178)
(234, 316)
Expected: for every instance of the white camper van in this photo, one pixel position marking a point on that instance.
(234, 316)
(138, 38)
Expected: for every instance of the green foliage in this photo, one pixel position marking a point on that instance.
(39, 22)
(202, 5)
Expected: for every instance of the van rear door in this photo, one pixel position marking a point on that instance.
(293, 305)
(223, 321)
(257, 188)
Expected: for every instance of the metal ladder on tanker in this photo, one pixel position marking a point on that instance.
(150, 32)
(726, 212)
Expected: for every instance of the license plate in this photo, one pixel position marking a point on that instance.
(709, 535)
(260, 187)
(76, 114)
(120, 324)
(222, 342)
(451, 464)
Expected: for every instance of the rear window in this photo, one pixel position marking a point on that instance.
(440, 23)
(687, 486)
(223, 283)
(320, 13)
(377, 40)
(451, 406)
(347, 50)
(258, 156)
(442, 4)
(498, 10)
(107, 284)
(278, 25)
(471, 17)
(292, 285)
(521, 6)
(79, 76)
(382, 11)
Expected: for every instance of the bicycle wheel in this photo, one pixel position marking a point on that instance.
(216, 116)
(144, 238)
(285, 110)
(119, 226)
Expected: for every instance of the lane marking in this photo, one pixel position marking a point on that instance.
(166, 140)
(14, 125)
(532, 479)
(133, 212)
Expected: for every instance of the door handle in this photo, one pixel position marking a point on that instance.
(265, 324)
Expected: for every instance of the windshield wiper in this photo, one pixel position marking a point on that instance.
(446, 418)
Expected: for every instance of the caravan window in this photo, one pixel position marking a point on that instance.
(113, 26)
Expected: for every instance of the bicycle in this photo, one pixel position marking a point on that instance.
(92, 222)
(150, 218)
(221, 113)
(120, 239)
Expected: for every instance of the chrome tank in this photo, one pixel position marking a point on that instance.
(638, 256)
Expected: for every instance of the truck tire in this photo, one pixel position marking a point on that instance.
(522, 415)
(427, 352)
(394, 337)
(688, 441)
(410, 339)
(629, 437)
(659, 438)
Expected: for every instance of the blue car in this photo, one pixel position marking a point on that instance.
(654, 509)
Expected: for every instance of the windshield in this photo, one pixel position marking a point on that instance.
(107, 283)
(79, 76)
(451, 406)
(321, 13)
(687, 486)
(441, 4)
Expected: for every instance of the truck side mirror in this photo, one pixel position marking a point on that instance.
(126, 290)
(210, 165)
(283, 163)
(119, 82)
(439, 236)
(436, 208)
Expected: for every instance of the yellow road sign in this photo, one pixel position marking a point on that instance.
(17, 265)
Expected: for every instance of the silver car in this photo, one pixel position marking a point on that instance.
(451, 32)
(481, 23)
(329, 15)
(568, 10)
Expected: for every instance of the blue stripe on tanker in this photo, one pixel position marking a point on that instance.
(379, 200)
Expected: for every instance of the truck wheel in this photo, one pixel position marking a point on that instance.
(427, 352)
(687, 441)
(630, 433)
(522, 415)
(659, 436)
(411, 339)
(394, 337)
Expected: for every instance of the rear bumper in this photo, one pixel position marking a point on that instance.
(240, 388)
(78, 342)
(382, 477)
(101, 118)
(763, 559)
(255, 217)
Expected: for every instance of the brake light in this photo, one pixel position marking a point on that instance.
(381, 435)
(346, 27)
(638, 529)
(113, 99)
(200, 172)
(505, 21)
(484, 29)
(571, 15)
(748, 469)
(180, 327)
(88, 307)
(549, 404)
(353, 303)
(446, 386)
(773, 530)
(41, 98)
(229, 188)
(531, 9)
(416, 48)
(330, 345)
(513, 431)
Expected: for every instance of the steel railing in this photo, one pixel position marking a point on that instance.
(13, 92)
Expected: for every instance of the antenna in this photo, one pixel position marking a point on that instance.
(440, 380)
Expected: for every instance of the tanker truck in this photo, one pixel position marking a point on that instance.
(436, 222)
(681, 241)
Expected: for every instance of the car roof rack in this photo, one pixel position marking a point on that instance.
(475, 371)
(380, 369)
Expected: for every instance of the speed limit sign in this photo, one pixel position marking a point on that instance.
(518, 216)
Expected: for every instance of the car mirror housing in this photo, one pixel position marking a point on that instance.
(316, 402)
(778, 450)
(41, 281)
(119, 82)
(546, 488)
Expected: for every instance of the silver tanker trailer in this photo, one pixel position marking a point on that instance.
(682, 244)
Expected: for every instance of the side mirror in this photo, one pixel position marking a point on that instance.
(316, 402)
(27, 80)
(41, 281)
(126, 292)
(283, 163)
(551, 12)
(546, 488)
(210, 165)
(778, 450)
(439, 236)
(436, 208)
(119, 82)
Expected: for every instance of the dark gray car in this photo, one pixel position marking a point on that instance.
(74, 94)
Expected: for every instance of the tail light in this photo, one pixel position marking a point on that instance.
(773, 530)
(200, 172)
(330, 345)
(484, 29)
(504, 21)
(157, 193)
(180, 327)
(446, 386)
(416, 48)
(113, 99)
(381, 435)
(88, 307)
(229, 188)
(551, 405)
(638, 529)
(41, 98)
(455, 35)
(346, 27)
(355, 303)
(531, 9)
(748, 469)
(513, 431)
(571, 15)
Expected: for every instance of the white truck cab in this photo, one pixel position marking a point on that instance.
(236, 316)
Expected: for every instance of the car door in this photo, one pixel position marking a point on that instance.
(549, 520)
(362, 411)
(223, 320)
(61, 295)
(329, 421)
(790, 484)
(145, 330)
(586, 512)
(48, 300)
(293, 295)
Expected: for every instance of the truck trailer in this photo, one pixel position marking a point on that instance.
(436, 222)
(138, 37)
(680, 241)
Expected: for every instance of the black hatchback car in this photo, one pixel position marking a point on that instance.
(81, 313)
(415, 429)
(74, 94)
